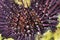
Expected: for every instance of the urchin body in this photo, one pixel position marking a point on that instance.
(23, 23)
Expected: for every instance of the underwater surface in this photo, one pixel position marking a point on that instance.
(29, 19)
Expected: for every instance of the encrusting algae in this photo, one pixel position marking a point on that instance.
(25, 3)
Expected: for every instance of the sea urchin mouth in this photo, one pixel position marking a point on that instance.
(23, 23)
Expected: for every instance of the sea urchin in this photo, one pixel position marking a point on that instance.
(22, 23)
